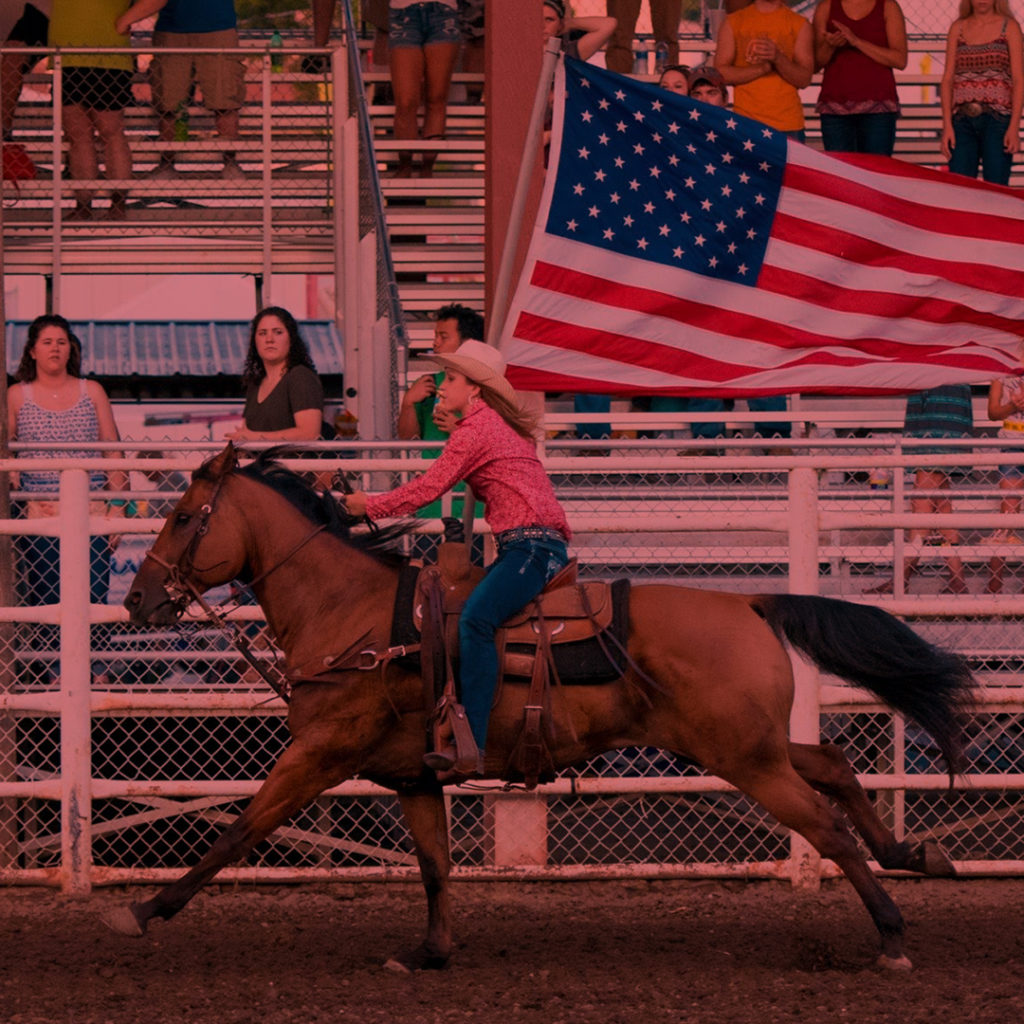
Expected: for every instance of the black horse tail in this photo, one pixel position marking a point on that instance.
(870, 648)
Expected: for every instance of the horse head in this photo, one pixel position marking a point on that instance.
(192, 553)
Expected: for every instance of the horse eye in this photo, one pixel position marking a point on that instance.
(182, 518)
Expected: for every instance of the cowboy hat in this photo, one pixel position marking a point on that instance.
(482, 364)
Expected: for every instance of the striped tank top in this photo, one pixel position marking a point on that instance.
(982, 75)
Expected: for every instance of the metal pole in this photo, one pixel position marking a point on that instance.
(75, 679)
(499, 304)
(805, 716)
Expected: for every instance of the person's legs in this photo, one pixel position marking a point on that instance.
(770, 403)
(517, 576)
(171, 80)
(937, 480)
(838, 134)
(665, 16)
(619, 55)
(407, 62)
(996, 163)
(221, 80)
(966, 147)
(1011, 484)
(109, 125)
(439, 62)
(876, 133)
(82, 162)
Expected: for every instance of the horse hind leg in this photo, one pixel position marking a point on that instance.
(796, 805)
(827, 769)
(299, 776)
(428, 825)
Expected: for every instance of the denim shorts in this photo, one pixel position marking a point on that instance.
(422, 25)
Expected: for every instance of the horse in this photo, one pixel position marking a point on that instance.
(708, 679)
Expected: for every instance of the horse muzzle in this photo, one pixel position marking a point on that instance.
(153, 608)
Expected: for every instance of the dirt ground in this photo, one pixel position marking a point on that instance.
(557, 953)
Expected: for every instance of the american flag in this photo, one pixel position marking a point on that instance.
(683, 249)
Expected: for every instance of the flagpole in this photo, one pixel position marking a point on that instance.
(534, 133)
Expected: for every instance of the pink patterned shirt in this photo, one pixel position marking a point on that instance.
(501, 467)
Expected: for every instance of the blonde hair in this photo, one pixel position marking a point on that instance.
(999, 7)
(522, 421)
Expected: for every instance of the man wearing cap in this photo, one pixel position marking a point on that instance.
(493, 448)
(706, 85)
(767, 52)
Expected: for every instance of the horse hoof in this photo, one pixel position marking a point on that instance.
(419, 959)
(124, 921)
(934, 861)
(894, 963)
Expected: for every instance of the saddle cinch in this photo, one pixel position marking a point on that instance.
(571, 632)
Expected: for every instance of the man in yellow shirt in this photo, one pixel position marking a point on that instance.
(766, 51)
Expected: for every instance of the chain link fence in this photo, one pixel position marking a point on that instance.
(181, 729)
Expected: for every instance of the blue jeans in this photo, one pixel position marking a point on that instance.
(584, 402)
(513, 579)
(980, 140)
(859, 133)
(423, 24)
(772, 403)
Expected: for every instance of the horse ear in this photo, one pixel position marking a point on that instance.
(225, 462)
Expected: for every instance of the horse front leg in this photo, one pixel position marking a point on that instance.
(827, 769)
(428, 825)
(301, 773)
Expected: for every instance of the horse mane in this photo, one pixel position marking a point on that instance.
(319, 508)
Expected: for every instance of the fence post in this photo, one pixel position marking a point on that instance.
(805, 718)
(75, 680)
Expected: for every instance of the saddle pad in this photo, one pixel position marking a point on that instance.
(577, 662)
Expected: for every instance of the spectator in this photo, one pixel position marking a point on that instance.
(858, 43)
(418, 419)
(95, 90)
(982, 89)
(581, 37)
(284, 399)
(665, 15)
(52, 402)
(675, 78)
(767, 52)
(194, 24)
(423, 39)
(944, 411)
(21, 25)
(1006, 403)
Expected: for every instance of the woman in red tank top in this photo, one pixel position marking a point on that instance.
(858, 43)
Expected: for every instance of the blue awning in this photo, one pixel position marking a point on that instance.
(161, 348)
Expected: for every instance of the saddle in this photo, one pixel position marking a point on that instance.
(565, 613)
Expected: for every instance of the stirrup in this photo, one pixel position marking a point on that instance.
(447, 761)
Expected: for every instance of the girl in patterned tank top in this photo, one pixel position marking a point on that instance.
(50, 403)
(982, 91)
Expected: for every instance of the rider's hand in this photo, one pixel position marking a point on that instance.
(355, 503)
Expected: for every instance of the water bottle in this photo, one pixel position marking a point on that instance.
(639, 58)
(660, 58)
(181, 123)
(276, 57)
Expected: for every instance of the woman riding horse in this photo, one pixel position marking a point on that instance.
(493, 449)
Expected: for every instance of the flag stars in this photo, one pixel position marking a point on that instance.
(732, 248)
(604, 104)
(615, 197)
(638, 116)
(663, 230)
(685, 217)
(731, 124)
(700, 240)
(759, 199)
(711, 136)
(642, 243)
(744, 178)
(766, 133)
(657, 105)
(705, 205)
(694, 115)
(748, 145)
(669, 194)
(628, 221)
(656, 137)
(678, 252)
(571, 225)
(603, 139)
(751, 234)
(578, 188)
(648, 207)
(620, 162)
(655, 172)
(742, 268)
(673, 128)
(634, 185)
(620, 126)
(639, 149)
(740, 212)
(600, 175)
(720, 227)
(763, 165)
(713, 262)
(709, 168)
(620, 95)
(593, 211)
(691, 149)
(583, 153)
(726, 191)
(587, 116)
(689, 183)
(673, 159)
(727, 158)
(609, 234)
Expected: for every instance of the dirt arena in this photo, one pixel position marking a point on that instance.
(557, 953)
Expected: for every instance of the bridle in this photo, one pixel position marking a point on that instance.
(182, 591)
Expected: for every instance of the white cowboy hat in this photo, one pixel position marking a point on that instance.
(482, 364)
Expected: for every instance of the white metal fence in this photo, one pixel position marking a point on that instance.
(124, 751)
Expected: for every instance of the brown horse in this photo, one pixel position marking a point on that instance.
(722, 694)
